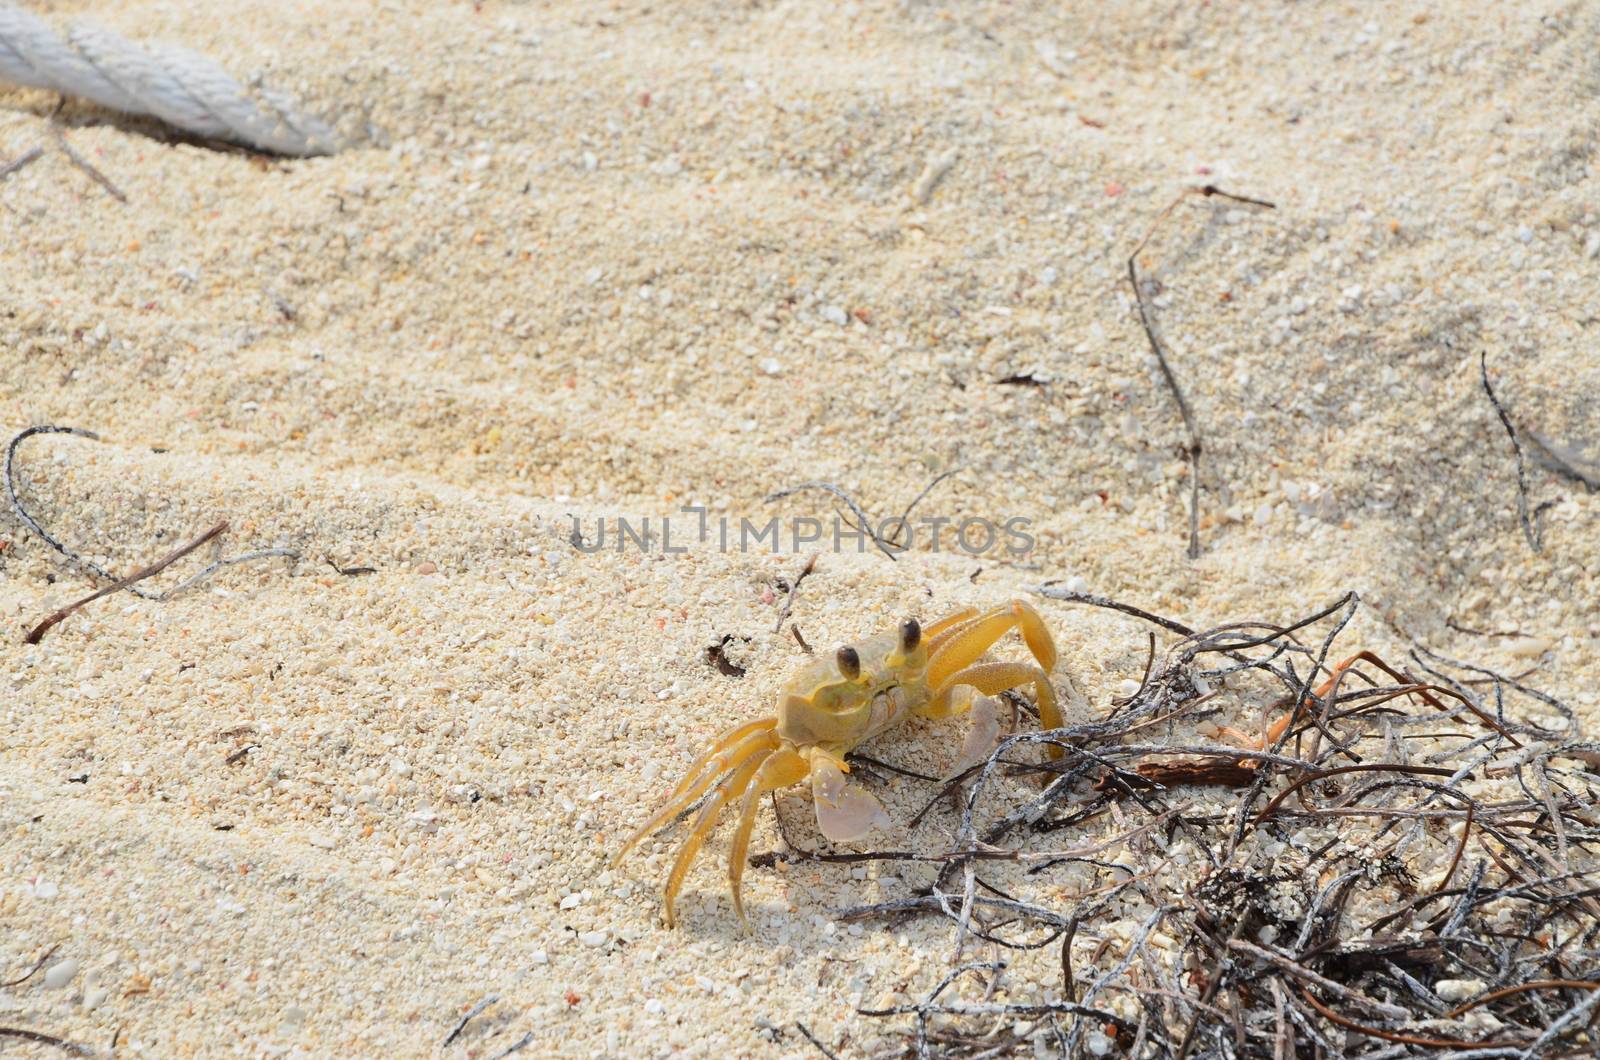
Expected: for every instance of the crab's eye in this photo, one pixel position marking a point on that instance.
(849, 662)
(910, 636)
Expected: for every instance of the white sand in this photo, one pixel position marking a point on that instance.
(550, 287)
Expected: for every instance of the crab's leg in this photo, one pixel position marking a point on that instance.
(705, 821)
(758, 737)
(782, 769)
(963, 644)
(991, 679)
(727, 741)
(934, 633)
(958, 648)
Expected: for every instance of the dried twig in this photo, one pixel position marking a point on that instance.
(78, 160)
(1049, 591)
(21, 162)
(473, 1013)
(1394, 1012)
(33, 971)
(515, 1047)
(1530, 527)
(129, 583)
(1428, 1041)
(864, 521)
(812, 1038)
(1245, 999)
(794, 590)
(905, 516)
(33, 524)
(1216, 773)
(888, 545)
(46, 1039)
(137, 576)
(1323, 774)
(228, 561)
(1192, 449)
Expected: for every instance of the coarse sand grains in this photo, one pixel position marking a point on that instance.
(594, 262)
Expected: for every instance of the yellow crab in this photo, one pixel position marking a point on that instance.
(834, 704)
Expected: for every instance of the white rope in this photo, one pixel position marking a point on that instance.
(181, 87)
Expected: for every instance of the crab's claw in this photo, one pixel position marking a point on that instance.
(982, 735)
(845, 811)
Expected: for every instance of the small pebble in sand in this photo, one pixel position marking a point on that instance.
(594, 939)
(46, 889)
(61, 973)
(1458, 989)
(294, 1017)
(1530, 647)
(932, 173)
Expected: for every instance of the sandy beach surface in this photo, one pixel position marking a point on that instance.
(584, 262)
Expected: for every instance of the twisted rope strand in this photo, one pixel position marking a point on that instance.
(182, 88)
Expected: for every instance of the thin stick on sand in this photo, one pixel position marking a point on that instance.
(139, 575)
(1192, 450)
